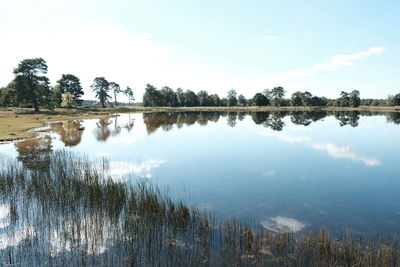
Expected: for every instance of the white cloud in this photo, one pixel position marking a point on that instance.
(340, 61)
(283, 224)
(300, 79)
(92, 50)
(5, 3)
(88, 51)
(271, 37)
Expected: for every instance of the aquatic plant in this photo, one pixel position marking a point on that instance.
(72, 213)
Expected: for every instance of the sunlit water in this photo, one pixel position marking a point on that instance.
(340, 173)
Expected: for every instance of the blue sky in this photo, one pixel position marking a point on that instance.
(322, 46)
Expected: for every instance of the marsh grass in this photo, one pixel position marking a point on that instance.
(71, 213)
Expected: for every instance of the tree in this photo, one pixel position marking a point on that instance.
(306, 98)
(344, 100)
(101, 87)
(267, 93)
(168, 97)
(8, 95)
(215, 100)
(180, 95)
(67, 100)
(129, 93)
(393, 100)
(71, 84)
(57, 95)
(116, 90)
(191, 99)
(260, 100)
(232, 100)
(224, 102)
(277, 94)
(31, 84)
(355, 99)
(242, 100)
(318, 101)
(296, 99)
(151, 97)
(203, 98)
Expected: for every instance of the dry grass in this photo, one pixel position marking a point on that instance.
(15, 122)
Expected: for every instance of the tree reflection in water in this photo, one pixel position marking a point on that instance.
(232, 119)
(393, 117)
(70, 132)
(34, 153)
(103, 132)
(348, 118)
(273, 120)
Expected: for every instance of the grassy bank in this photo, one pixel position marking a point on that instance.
(15, 122)
(71, 212)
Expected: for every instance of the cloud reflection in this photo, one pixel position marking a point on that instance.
(269, 173)
(15, 237)
(287, 137)
(283, 224)
(344, 152)
(118, 169)
(333, 150)
(4, 216)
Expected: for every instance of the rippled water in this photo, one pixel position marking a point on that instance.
(297, 171)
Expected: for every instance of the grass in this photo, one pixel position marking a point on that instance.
(71, 213)
(16, 122)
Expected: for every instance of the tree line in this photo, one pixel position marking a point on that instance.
(167, 97)
(31, 88)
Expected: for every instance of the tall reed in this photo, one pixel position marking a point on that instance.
(71, 213)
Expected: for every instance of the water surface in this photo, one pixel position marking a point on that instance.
(297, 171)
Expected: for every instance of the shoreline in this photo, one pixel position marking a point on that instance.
(17, 123)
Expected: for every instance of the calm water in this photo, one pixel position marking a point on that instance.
(299, 171)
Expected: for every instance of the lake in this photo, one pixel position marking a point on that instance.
(297, 171)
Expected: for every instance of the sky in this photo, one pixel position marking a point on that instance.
(322, 46)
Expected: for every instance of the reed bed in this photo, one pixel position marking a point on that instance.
(71, 213)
